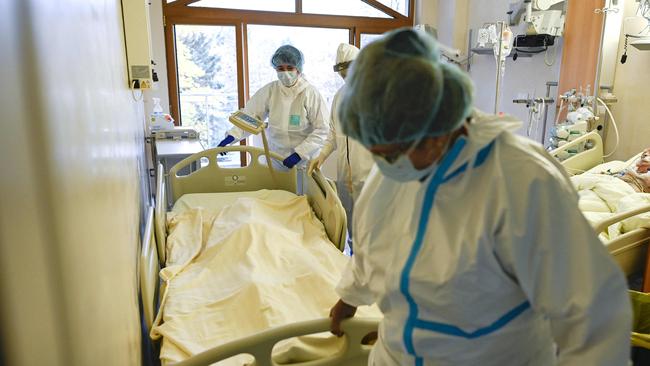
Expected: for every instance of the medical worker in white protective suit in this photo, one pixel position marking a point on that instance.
(298, 118)
(467, 236)
(353, 161)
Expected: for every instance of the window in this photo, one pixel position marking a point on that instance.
(342, 7)
(367, 38)
(219, 51)
(318, 46)
(207, 80)
(400, 6)
(266, 5)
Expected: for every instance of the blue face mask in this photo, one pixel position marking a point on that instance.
(402, 169)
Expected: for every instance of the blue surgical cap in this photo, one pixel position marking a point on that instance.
(288, 55)
(398, 91)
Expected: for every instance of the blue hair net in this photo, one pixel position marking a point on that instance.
(288, 55)
(398, 91)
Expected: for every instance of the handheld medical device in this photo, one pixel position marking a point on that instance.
(254, 126)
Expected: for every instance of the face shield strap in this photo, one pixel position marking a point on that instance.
(341, 66)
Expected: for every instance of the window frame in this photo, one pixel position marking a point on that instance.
(180, 13)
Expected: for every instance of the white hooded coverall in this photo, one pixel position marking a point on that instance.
(353, 161)
(487, 262)
(298, 118)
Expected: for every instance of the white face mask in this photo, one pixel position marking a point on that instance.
(288, 78)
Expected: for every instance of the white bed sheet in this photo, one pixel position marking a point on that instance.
(603, 195)
(239, 263)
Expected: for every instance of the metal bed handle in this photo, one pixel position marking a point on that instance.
(603, 225)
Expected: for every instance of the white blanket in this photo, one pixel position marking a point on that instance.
(235, 270)
(602, 196)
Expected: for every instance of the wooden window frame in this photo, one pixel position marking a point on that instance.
(180, 13)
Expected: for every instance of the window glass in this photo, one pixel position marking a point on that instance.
(318, 46)
(342, 7)
(401, 6)
(367, 38)
(207, 81)
(265, 5)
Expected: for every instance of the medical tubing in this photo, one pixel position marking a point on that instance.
(618, 137)
(268, 159)
(559, 111)
(348, 179)
(539, 116)
(552, 62)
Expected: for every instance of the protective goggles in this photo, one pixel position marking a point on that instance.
(342, 66)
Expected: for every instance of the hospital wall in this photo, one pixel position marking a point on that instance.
(632, 87)
(523, 77)
(72, 157)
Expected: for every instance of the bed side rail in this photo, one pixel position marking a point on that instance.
(214, 178)
(328, 208)
(160, 215)
(149, 268)
(261, 344)
(604, 224)
(584, 160)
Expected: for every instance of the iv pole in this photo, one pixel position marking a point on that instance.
(499, 75)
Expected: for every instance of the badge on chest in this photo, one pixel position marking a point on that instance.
(294, 120)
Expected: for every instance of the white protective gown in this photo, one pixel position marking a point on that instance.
(486, 262)
(353, 161)
(298, 118)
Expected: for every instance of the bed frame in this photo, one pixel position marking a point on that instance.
(629, 250)
(211, 178)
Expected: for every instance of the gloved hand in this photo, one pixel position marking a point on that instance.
(291, 160)
(225, 142)
(315, 163)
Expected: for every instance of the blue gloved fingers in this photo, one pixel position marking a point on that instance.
(225, 142)
(292, 160)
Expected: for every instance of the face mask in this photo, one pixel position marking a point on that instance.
(288, 78)
(402, 170)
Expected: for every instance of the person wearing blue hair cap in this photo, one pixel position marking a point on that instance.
(298, 117)
(467, 236)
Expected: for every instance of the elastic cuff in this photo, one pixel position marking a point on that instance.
(353, 298)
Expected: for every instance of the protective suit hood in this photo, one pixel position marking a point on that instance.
(485, 127)
(346, 52)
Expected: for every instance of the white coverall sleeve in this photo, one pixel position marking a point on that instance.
(318, 116)
(354, 288)
(549, 248)
(330, 144)
(257, 106)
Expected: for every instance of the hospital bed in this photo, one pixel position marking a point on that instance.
(211, 178)
(628, 249)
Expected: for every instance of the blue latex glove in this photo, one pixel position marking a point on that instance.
(291, 160)
(225, 142)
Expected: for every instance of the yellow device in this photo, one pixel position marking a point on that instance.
(255, 126)
(247, 122)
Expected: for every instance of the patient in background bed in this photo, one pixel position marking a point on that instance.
(638, 176)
